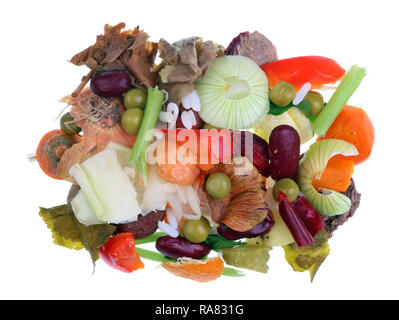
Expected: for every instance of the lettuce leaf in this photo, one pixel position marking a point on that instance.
(308, 258)
(68, 232)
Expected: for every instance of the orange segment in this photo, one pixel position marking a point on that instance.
(197, 270)
(336, 176)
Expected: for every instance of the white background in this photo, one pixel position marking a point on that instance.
(37, 38)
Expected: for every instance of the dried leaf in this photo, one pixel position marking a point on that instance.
(184, 62)
(68, 232)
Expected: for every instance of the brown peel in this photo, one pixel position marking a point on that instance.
(245, 206)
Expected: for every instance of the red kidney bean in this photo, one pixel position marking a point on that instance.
(110, 83)
(284, 147)
(180, 247)
(262, 228)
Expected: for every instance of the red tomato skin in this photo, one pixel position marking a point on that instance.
(314, 69)
(119, 252)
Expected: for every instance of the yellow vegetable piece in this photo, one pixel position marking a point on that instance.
(308, 258)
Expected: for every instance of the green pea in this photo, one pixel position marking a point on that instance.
(316, 102)
(282, 94)
(67, 125)
(288, 187)
(196, 231)
(218, 185)
(131, 120)
(135, 98)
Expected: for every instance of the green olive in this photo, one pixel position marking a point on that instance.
(218, 185)
(196, 231)
(209, 126)
(282, 94)
(67, 125)
(135, 98)
(316, 102)
(288, 187)
(131, 120)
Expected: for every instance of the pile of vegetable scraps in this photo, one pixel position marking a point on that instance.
(201, 155)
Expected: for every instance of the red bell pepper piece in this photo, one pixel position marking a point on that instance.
(309, 215)
(298, 229)
(120, 253)
(297, 71)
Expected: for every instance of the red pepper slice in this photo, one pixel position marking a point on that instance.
(309, 215)
(299, 70)
(297, 227)
(120, 253)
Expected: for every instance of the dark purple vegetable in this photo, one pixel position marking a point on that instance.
(258, 154)
(110, 83)
(284, 147)
(262, 228)
(180, 247)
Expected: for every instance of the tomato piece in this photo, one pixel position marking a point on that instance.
(314, 69)
(51, 148)
(120, 253)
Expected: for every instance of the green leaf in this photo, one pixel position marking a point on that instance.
(304, 106)
(308, 258)
(68, 232)
(217, 242)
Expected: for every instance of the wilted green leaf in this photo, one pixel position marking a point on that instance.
(68, 232)
(217, 242)
(308, 258)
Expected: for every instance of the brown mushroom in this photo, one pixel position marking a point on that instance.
(245, 206)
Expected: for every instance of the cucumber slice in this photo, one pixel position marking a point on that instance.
(312, 166)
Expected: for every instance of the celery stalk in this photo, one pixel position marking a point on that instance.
(346, 88)
(153, 107)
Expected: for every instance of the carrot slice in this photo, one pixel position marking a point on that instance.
(51, 148)
(354, 126)
(336, 176)
(201, 271)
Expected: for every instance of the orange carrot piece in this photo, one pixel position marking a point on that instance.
(336, 176)
(354, 126)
